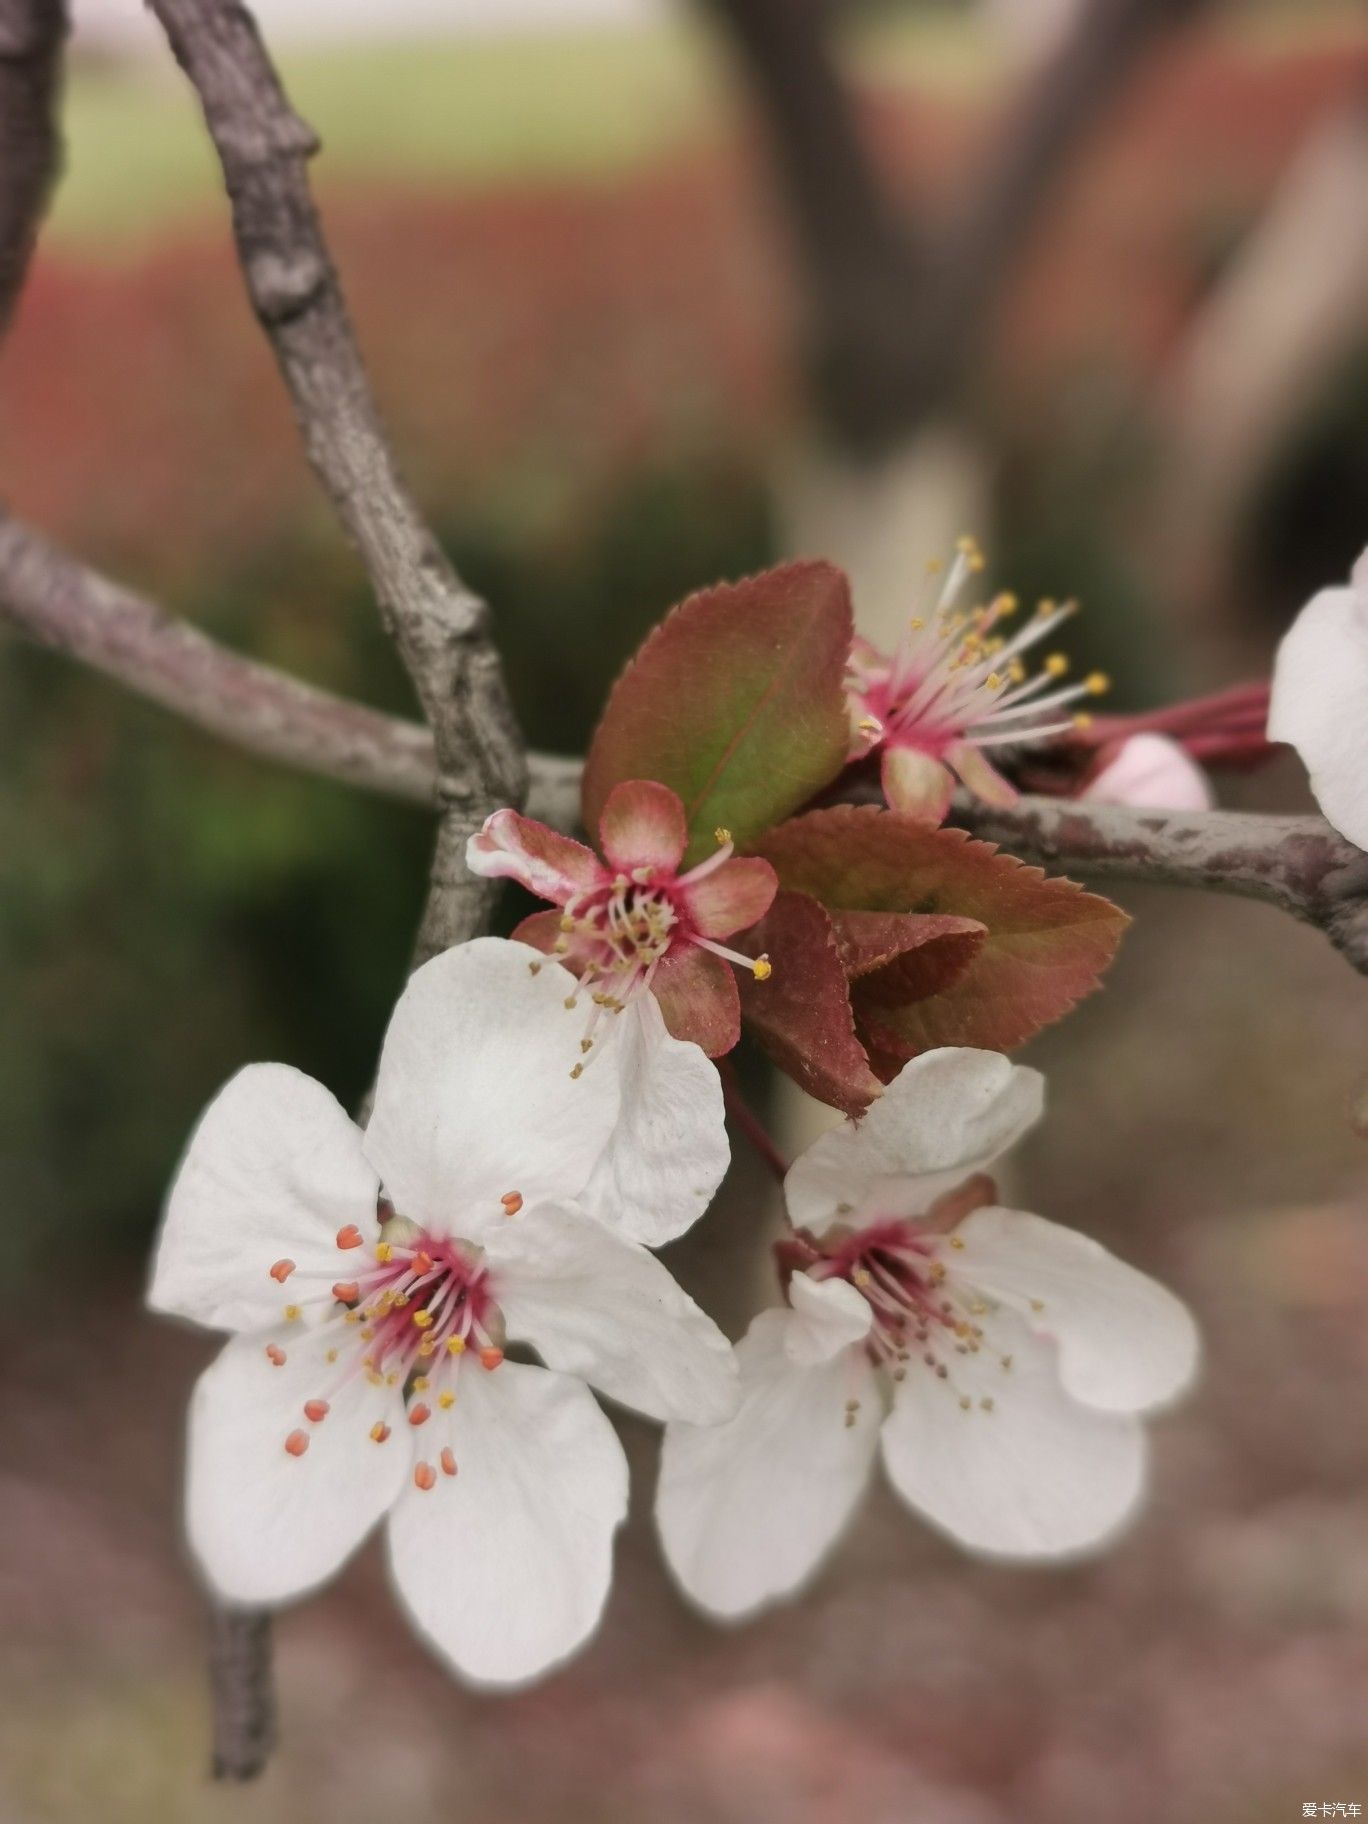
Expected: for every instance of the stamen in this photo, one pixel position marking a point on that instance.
(448, 1460)
(316, 1410)
(424, 1475)
(281, 1271)
(275, 1355)
(346, 1291)
(349, 1236)
(419, 1414)
(512, 1202)
(490, 1358)
(379, 1431)
(297, 1443)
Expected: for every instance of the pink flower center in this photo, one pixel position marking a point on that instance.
(410, 1311)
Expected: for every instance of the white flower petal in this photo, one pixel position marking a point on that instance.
(828, 1316)
(1151, 772)
(602, 1308)
(1034, 1474)
(505, 1566)
(1125, 1342)
(1320, 701)
(945, 1115)
(475, 1098)
(747, 1510)
(668, 1152)
(272, 1172)
(266, 1525)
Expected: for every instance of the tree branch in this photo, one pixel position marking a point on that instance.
(62, 605)
(1298, 864)
(32, 33)
(897, 323)
(440, 628)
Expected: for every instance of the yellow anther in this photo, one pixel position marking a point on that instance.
(977, 562)
(427, 1346)
(994, 680)
(383, 1250)
(291, 1313)
(578, 1071)
(392, 1378)
(421, 1383)
(561, 945)
(567, 923)
(916, 623)
(1056, 665)
(722, 834)
(987, 1403)
(869, 725)
(456, 1345)
(586, 1045)
(446, 1399)
(965, 1402)
(934, 567)
(534, 968)
(957, 1241)
(966, 546)
(1016, 671)
(570, 1003)
(423, 1319)
(762, 969)
(374, 1376)
(331, 1355)
(1098, 683)
(861, 1277)
(1046, 605)
(1007, 603)
(1082, 719)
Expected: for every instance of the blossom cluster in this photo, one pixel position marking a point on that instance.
(421, 1309)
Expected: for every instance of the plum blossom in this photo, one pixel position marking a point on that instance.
(954, 689)
(1320, 700)
(997, 1361)
(634, 924)
(1148, 772)
(372, 1280)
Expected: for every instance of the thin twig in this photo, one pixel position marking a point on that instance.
(750, 1124)
(439, 627)
(69, 608)
(32, 33)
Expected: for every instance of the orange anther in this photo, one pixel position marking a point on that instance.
(490, 1358)
(349, 1236)
(380, 1431)
(297, 1443)
(448, 1459)
(424, 1475)
(316, 1410)
(422, 1263)
(347, 1291)
(282, 1270)
(419, 1414)
(275, 1355)
(512, 1202)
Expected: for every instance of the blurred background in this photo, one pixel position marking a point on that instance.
(653, 295)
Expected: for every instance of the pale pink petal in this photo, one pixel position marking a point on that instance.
(946, 1115)
(273, 1171)
(748, 1509)
(1150, 772)
(1000, 1457)
(603, 1309)
(1319, 703)
(668, 1152)
(829, 1315)
(512, 847)
(731, 898)
(264, 1524)
(916, 785)
(475, 1096)
(643, 826)
(980, 776)
(505, 1566)
(1125, 1342)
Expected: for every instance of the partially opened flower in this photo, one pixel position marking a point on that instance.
(999, 1362)
(373, 1281)
(633, 924)
(1148, 772)
(1320, 700)
(954, 690)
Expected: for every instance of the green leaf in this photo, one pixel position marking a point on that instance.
(736, 701)
(1045, 943)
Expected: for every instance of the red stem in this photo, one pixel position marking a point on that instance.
(745, 1118)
